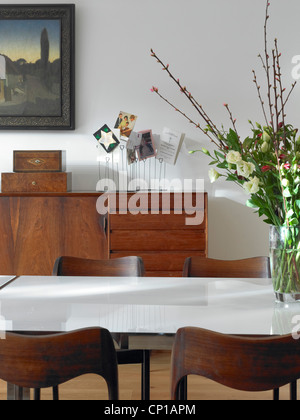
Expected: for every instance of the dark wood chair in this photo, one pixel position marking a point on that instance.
(125, 267)
(255, 267)
(242, 363)
(47, 361)
(118, 267)
(244, 268)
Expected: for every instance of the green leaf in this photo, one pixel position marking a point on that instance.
(251, 204)
(247, 143)
(233, 140)
(221, 155)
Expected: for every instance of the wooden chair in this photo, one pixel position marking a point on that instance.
(46, 361)
(127, 266)
(255, 267)
(118, 267)
(245, 268)
(242, 363)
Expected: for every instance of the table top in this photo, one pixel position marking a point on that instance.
(4, 280)
(145, 305)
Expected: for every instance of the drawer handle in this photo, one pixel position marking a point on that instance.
(36, 162)
(34, 182)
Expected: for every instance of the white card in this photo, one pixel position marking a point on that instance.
(170, 145)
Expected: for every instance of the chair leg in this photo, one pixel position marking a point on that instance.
(293, 391)
(182, 390)
(145, 387)
(276, 394)
(55, 393)
(37, 394)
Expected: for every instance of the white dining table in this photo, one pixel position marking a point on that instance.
(146, 307)
(149, 309)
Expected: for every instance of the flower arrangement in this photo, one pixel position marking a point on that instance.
(266, 164)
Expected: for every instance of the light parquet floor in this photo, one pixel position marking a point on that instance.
(91, 387)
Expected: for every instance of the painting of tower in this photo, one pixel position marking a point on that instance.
(44, 48)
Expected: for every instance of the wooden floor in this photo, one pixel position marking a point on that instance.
(91, 387)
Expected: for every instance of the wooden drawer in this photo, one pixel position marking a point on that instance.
(163, 261)
(36, 182)
(154, 221)
(39, 161)
(145, 202)
(162, 240)
(162, 228)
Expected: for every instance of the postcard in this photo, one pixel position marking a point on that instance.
(146, 148)
(125, 123)
(170, 145)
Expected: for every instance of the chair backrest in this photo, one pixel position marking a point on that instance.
(119, 267)
(242, 363)
(50, 360)
(257, 267)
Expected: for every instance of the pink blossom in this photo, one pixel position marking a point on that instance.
(266, 168)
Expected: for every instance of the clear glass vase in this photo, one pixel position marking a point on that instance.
(285, 262)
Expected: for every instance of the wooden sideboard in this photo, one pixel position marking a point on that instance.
(160, 232)
(37, 228)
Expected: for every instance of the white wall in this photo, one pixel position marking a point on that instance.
(212, 46)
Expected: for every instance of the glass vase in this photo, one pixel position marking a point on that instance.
(285, 262)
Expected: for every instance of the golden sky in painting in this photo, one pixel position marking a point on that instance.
(21, 39)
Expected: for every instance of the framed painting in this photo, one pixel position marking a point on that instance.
(37, 80)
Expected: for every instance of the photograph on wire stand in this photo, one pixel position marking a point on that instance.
(125, 123)
(146, 148)
(107, 139)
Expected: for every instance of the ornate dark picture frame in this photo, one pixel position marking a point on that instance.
(37, 80)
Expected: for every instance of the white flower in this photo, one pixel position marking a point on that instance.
(252, 186)
(245, 169)
(213, 175)
(285, 182)
(233, 157)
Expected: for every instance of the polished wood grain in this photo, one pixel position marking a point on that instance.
(38, 160)
(50, 360)
(162, 240)
(246, 268)
(138, 222)
(155, 226)
(38, 227)
(242, 363)
(36, 182)
(92, 387)
(164, 261)
(36, 230)
(125, 267)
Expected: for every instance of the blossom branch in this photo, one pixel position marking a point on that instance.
(155, 90)
(260, 98)
(190, 97)
(267, 66)
(233, 120)
(276, 77)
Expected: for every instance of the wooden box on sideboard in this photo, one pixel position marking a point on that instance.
(39, 161)
(36, 182)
